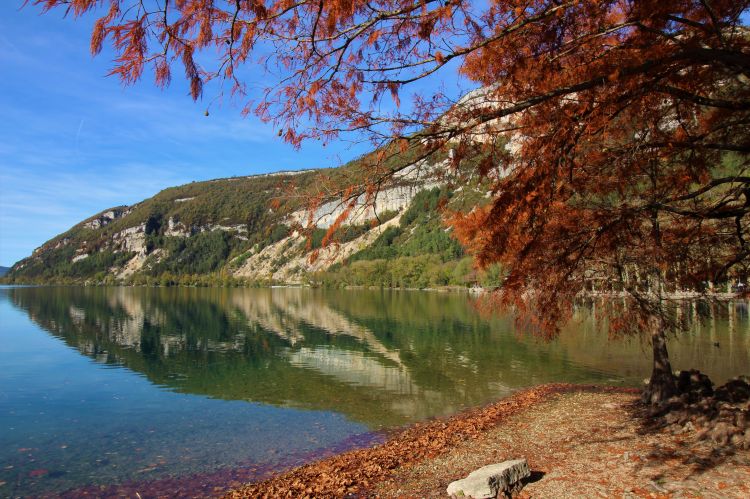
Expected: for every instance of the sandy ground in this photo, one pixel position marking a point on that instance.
(579, 442)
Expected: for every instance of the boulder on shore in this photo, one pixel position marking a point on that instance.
(494, 480)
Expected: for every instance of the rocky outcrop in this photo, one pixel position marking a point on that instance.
(288, 260)
(80, 257)
(407, 183)
(175, 228)
(237, 229)
(106, 218)
(131, 239)
(60, 244)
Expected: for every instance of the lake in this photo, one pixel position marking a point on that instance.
(187, 391)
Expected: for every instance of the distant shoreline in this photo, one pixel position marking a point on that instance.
(474, 290)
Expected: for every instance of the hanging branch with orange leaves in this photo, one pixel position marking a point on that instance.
(624, 124)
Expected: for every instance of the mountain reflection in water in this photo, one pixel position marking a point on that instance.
(382, 358)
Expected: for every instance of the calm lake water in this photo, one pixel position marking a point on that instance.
(167, 388)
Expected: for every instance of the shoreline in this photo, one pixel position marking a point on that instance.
(475, 290)
(579, 441)
(356, 472)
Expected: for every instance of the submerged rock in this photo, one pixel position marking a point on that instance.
(494, 480)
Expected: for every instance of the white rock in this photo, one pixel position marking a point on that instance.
(486, 482)
(106, 217)
(418, 177)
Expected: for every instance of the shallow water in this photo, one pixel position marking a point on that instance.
(102, 386)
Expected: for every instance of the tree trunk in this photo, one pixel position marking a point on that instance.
(662, 385)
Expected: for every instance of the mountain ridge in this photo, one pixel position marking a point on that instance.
(248, 230)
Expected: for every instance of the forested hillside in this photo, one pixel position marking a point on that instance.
(255, 230)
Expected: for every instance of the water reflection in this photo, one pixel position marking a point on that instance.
(382, 358)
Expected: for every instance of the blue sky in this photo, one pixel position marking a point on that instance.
(74, 141)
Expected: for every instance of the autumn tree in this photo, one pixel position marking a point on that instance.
(614, 132)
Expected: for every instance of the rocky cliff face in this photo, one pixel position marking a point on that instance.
(289, 260)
